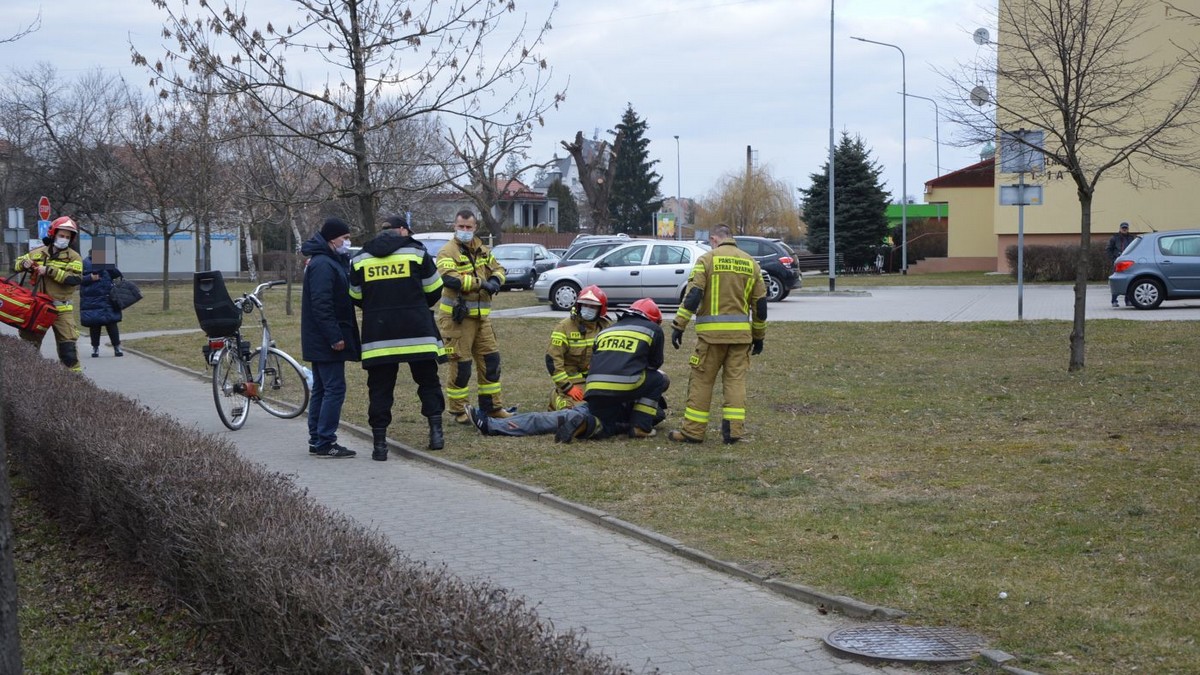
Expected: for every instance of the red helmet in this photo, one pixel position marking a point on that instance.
(646, 308)
(66, 225)
(594, 296)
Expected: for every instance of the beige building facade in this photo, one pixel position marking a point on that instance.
(1165, 198)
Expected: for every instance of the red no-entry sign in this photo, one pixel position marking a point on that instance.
(44, 208)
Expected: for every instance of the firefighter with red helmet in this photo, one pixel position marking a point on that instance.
(728, 298)
(570, 352)
(624, 384)
(623, 392)
(59, 269)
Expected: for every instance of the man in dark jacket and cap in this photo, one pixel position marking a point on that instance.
(396, 282)
(328, 333)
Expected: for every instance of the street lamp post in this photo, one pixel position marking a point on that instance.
(832, 182)
(903, 151)
(937, 141)
(678, 194)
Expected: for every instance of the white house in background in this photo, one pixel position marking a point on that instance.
(140, 252)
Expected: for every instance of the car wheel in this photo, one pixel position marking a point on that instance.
(533, 279)
(788, 291)
(563, 295)
(775, 289)
(1146, 293)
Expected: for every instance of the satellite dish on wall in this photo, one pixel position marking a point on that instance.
(980, 95)
(981, 36)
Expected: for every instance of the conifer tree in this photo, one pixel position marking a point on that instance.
(860, 205)
(635, 195)
(568, 210)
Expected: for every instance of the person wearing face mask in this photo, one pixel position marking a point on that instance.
(470, 277)
(570, 351)
(396, 282)
(623, 393)
(59, 268)
(328, 333)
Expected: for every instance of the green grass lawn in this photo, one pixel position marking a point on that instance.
(923, 466)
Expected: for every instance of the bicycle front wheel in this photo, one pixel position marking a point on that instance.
(229, 388)
(284, 390)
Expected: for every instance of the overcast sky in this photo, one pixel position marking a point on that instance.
(720, 74)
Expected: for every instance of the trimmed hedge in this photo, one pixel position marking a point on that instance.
(1057, 263)
(290, 586)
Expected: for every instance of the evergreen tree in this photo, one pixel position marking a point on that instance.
(568, 210)
(635, 183)
(860, 205)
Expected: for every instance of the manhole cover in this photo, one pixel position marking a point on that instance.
(906, 643)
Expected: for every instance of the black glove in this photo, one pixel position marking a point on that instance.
(676, 337)
(756, 347)
(491, 286)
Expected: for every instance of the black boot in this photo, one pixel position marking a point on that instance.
(436, 440)
(379, 451)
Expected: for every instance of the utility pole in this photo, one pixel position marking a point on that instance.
(746, 192)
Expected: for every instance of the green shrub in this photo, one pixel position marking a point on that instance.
(290, 586)
(1057, 263)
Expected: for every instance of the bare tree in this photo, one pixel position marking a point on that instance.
(1083, 72)
(384, 62)
(158, 166)
(758, 204)
(67, 136)
(480, 151)
(32, 27)
(597, 166)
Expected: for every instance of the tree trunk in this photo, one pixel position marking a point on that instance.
(10, 638)
(250, 262)
(1078, 342)
(166, 270)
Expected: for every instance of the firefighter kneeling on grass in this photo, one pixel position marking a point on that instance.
(60, 269)
(624, 383)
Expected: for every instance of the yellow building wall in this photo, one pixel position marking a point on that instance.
(1169, 198)
(971, 232)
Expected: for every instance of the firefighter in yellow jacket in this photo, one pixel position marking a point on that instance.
(727, 296)
(60, 268)
(470, 277)
(570, 351)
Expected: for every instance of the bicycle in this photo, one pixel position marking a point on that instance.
(267, 375)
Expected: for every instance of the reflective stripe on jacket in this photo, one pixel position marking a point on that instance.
(732, 285)
(395, 281)
(622, 355)
(470, 265)
(65, 272)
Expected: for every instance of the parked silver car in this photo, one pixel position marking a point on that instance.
(1158, 266)
(643, 268)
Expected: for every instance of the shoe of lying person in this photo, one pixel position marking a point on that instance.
(480, 421)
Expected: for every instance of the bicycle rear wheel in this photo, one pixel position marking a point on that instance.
(229, 388)
(284, 390)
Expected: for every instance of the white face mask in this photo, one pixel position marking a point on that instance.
(464, 236)
(344, 248)
(589, 313)
(61, 242)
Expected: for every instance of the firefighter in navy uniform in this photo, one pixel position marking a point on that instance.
(60, 269)
(728, 297)
(570, 352)
(470, 277)
(624, 383)
(396, 282)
